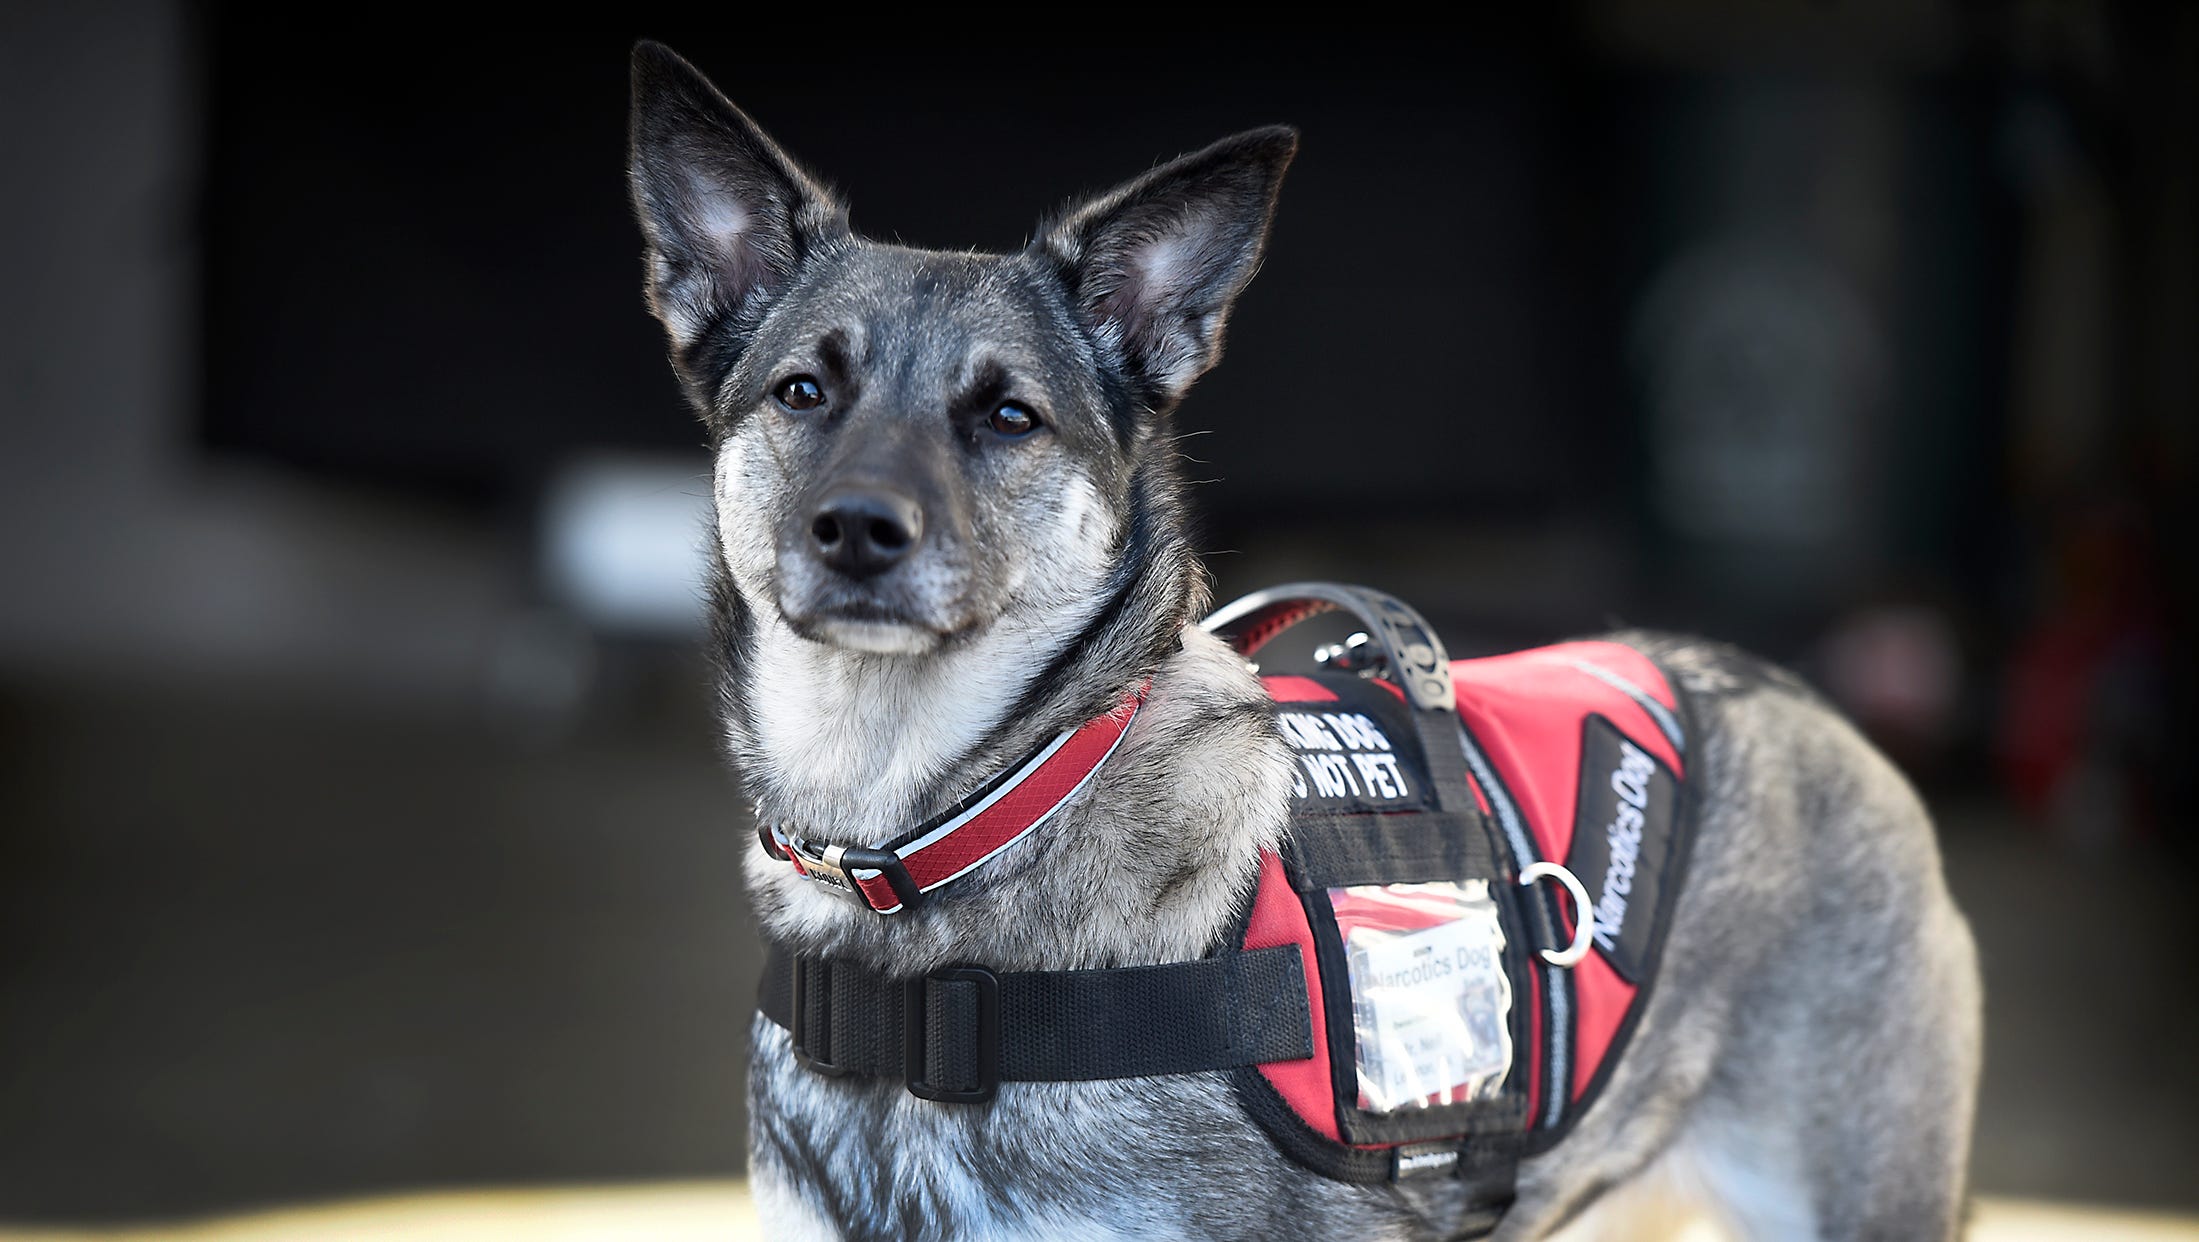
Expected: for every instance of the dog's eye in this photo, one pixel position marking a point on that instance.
(801, 393)
(1013, 420)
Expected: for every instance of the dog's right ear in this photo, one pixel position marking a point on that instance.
(728, 217)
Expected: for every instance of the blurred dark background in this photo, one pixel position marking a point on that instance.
(361, 825)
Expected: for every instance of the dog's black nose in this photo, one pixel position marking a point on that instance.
(862, 531)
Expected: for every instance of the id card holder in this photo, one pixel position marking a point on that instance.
(1431, 1002)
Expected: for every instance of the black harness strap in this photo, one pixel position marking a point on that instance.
(959, 1032)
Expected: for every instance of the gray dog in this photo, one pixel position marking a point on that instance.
(949, 527)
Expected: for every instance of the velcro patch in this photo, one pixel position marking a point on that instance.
(1622, 842)
(1352, 746)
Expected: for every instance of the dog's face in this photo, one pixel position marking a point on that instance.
(914, 444)
(911, 442)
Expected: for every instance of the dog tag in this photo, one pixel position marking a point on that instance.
(1431, 1004)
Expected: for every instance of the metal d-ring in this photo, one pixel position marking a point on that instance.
(1584, 927)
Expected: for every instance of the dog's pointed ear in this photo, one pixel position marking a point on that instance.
(728, 217)
(1155, 263)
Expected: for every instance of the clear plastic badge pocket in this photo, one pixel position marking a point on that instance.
(1431, 1002)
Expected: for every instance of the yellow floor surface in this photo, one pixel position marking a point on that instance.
(720, 1211)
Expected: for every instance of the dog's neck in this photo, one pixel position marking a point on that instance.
(1144, 864)
(852, 749)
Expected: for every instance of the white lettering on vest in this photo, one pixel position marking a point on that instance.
(1630, 780)
(1332, 776)
(1380, 773)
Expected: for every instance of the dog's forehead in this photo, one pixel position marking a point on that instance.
(935, 320)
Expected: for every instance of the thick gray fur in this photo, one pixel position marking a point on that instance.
(1807, 1063)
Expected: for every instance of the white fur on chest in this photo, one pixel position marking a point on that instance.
(852, 738)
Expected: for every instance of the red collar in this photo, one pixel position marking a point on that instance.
(894, 876)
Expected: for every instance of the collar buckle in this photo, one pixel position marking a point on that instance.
(855, 872)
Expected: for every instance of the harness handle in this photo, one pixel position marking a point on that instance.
(1418, 663)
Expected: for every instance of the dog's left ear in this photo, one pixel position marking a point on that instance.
(729, 217)
(1155, 263)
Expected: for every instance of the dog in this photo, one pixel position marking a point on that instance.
(949, 526)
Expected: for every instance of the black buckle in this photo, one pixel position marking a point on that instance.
(833, 866)
(799, 1031)
(988, 1036)
(896, 873)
